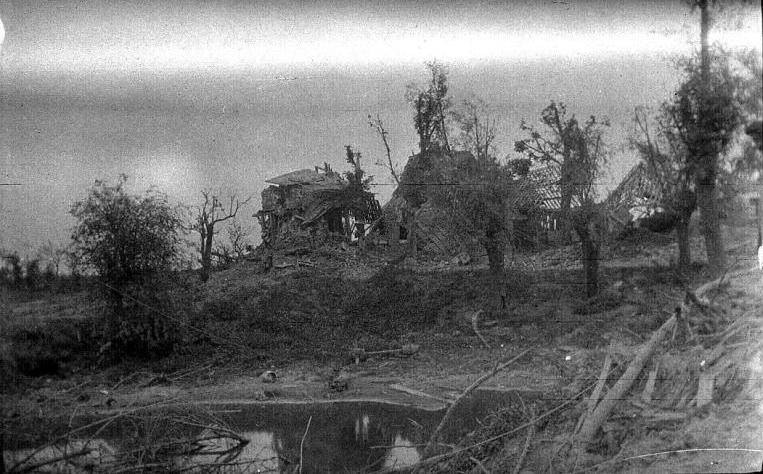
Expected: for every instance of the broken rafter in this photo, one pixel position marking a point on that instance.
(592, 423)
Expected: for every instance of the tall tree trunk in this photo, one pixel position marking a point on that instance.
(711, 224)
(591, 264)
(566, 189)
(684, 250)
(585, 223)
(707, 169)
(206, 251)
(704, 33)
(413, 245)
(495, 246)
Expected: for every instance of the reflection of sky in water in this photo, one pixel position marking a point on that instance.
(342, 437)
(268, 452)
(402, 454)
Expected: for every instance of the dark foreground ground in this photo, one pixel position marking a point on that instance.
(308, 319)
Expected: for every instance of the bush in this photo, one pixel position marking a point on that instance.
(155, 319)
(129, 240)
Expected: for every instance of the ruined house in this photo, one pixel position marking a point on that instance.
(306, 205)
(437, 232)
(536, 208)
(533, 215)
(637, 196)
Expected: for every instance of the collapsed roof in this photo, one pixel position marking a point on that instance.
(541, 188)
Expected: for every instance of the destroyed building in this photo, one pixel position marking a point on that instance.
(535, 212)
(310, 205)
(437, 233)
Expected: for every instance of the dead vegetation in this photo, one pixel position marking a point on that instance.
(687, 365)
(151, 439)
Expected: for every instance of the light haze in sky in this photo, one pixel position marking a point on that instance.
(189, 95)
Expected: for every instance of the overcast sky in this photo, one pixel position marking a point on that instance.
(187, 95)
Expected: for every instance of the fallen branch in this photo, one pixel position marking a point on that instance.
(455, 452)
(475, 320)
(479, 464)
(302, 443)
(419, 393)
(608, 402)
(63, 457)
(530, 434)
(594, 400)
(433, 440)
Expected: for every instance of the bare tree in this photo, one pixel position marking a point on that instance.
(238, 238)
(212, 212)
(53, 255)
(235, 247)
(378, 126)
(477, 124)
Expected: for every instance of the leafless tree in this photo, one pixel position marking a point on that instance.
(378, 126)
(53, 254)
(212, 212)
(477, 124)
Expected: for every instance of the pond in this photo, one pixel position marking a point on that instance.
(343, 436)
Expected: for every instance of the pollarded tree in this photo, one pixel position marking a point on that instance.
(576, 150)
(707, 113)
(707, 107)
(579, 151)
(124, 238)
(666, 157)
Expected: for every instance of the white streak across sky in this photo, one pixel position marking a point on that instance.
(191, 94)
(169, 36)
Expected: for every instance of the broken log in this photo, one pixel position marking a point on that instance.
(646, 395)
(594, 400)
(592, 423)
(475, 323)
(435, 438)
(419, 393)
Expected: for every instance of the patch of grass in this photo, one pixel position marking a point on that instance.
(315, 314)
(46, 348)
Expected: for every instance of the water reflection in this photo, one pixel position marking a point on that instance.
(343, 436)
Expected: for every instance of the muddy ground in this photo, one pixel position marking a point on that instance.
(306, 319)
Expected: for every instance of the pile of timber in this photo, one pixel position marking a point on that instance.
(684, 366)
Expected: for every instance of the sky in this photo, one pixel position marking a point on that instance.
(188, 95)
